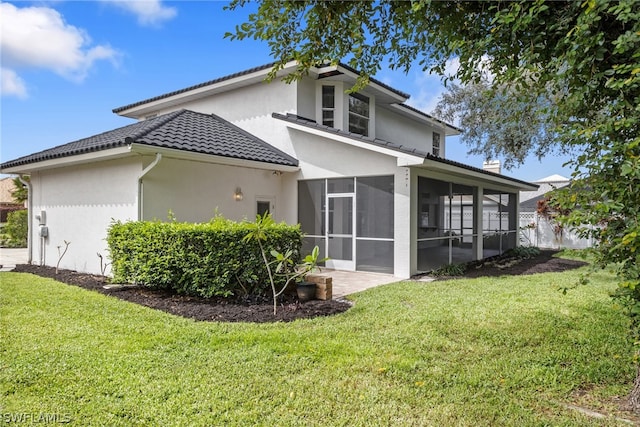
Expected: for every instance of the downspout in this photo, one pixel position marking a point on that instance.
(144, 172)
(29, 216)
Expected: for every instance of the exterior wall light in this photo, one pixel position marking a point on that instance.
(237, 196)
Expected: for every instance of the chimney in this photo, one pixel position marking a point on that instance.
(491, 166)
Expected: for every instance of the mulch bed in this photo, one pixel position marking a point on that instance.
(511, 266)
(221, 310)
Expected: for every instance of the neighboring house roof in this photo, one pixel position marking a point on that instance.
(553, 178)
(529, 199)
(182, 130)
(377, 142)
(7, 187)
(531, 205)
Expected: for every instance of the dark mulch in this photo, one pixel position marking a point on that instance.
(545, 262)
(212, 309)
(221, 310)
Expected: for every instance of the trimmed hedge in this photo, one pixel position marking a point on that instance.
(208, 259)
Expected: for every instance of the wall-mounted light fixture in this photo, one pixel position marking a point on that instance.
(237, 196)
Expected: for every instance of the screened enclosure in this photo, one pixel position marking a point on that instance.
(351, 220)
(447, 233)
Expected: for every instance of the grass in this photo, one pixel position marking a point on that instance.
(482, 352)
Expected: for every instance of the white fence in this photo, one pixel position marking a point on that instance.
(536, 230)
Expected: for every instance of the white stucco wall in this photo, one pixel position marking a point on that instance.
(80, 202)
(393, 127)
(195, 191)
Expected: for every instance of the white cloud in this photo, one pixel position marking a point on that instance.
(11, 84)
(149, 12)
(38, 37)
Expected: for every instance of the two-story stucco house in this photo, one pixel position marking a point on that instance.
(364, 174)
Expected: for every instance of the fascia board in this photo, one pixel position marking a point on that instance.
(478, 177)
(209, 158)
(112, 153)
(140, 111)
(372, 85)
(448, 129)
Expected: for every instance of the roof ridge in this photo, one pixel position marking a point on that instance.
(161, 121)
(255, 138)
(117, 110)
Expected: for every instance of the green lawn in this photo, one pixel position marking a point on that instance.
(483, 352)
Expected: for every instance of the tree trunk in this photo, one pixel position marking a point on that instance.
(634, 397)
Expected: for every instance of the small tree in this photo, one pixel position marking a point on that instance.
(282, 264)
(20, 193)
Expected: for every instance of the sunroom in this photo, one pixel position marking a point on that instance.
(454, 214)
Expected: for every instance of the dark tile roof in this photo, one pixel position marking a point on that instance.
(390, 145)
(181, 130)
(531, 205)
(234, 75)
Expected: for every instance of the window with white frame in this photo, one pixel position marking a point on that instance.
(435, 145)
(359, 114)
(328, 105)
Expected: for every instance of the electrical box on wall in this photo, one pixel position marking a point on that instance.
(44, 231)
(42, 218)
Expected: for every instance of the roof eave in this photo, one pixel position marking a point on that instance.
(173, 153)
(67, 160)
(407, 110)
(476, 174)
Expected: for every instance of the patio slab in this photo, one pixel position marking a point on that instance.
(10, 257)
(350, 282)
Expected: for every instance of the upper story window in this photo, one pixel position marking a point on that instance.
(435, 146)
(328, 105)
(359, 114)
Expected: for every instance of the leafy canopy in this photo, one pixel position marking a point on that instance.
(573, 65)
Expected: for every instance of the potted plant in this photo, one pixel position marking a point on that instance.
(306, 290)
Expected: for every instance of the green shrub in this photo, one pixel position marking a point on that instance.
(450, 270)
(523, 252)
(16, 229)
(208, 259)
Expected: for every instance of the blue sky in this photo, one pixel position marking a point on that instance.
(67, 64)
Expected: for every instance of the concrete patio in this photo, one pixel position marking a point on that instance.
(10, 257)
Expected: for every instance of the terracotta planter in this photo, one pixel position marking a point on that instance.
(306, 291)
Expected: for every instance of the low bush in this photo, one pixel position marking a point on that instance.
(523, 252)
(16, 230)
(450, 270)
(207, 259)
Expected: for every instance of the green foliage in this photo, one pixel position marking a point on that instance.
(479, 109)
(286, 270)
(16, 229)
(450, 270)
(20, 194)
(524, 252)
(208, 259)
(581, 58)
